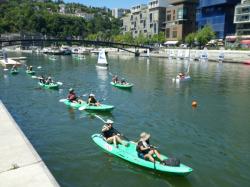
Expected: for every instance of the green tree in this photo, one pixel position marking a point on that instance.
(205, 35)
(190, 39)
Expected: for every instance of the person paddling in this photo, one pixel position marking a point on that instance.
(110, 135)
(30, 68)
(92, 100)
(14, 68)
(41, 79)
(73, 98)
(180, 76)
(123, 81)
(115, 79)
(48, 80)
(145, 150)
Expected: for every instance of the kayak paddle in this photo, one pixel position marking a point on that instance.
(113, 127)
(62, 100)
(82, 108)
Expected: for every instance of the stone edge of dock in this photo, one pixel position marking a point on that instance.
(20, 164)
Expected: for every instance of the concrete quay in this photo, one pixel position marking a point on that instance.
(20, 164)
(230, 56)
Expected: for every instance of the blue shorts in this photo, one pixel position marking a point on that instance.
(141, 155)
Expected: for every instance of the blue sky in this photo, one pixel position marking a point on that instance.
(110, 3)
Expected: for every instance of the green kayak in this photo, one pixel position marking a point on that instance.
(14, 72)
(49, 86)
(130, 154)
(85, 106)
(30, 72)
(127, 85)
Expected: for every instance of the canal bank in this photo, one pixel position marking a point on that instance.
(20, 165)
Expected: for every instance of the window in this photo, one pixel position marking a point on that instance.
(150, 17)
(155, 28)
(174, 34)
(181, 13)
(168, 33)
(169, 17)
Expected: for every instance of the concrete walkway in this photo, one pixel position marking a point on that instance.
(20, 165)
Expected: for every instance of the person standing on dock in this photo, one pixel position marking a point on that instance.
(5, 56)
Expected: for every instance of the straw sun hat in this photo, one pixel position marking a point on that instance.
(109, 121)
(144, 136)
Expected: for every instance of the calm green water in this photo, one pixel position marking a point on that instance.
(212, 139)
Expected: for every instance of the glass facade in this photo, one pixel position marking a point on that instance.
(218, 14)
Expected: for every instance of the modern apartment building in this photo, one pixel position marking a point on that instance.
(156, 16)
(119, 12)
(242, 18)
(146, 19)
(217, 13)
(180, 19)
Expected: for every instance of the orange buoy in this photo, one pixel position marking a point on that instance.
(194, 104)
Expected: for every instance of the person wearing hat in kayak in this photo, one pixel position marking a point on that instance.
(41, 79)
(73, 98)
(181, 76)
(29, 68)
(48, 80)
(115, 79)
(145, 150)
(92, 100)
(14, 67)
(110, 135)
(123, 81)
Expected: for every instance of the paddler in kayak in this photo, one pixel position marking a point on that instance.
(41, 79)
(29, 68)
(145, 150)
(180, 76)
(48, 81)
(14, 68)
(123, 81)
(115, 79)
(73, 98)
(92, 100)
(110, 134)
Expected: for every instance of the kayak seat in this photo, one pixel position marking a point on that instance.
(141, 155)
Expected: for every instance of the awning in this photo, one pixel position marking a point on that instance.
(171, 42)
(246, 42)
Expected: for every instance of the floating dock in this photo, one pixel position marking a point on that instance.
(20, 164)
(10, 62)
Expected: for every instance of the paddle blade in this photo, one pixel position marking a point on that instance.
(39, 67)
(5, 69)
(82, 108)
(60, 83)
(62, 100)
(33, 77)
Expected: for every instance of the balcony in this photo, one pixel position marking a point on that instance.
(244, 18)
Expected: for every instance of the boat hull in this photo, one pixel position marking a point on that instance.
(124, 86)
(130, 154)
(49, 86)
(101, 108)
